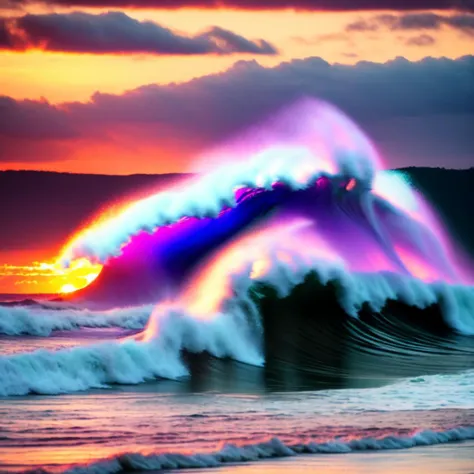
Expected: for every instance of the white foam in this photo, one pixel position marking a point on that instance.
(28, 320)
(275, 448)
(231, 332)
(319, 141)
(127, 361)
(456, 302)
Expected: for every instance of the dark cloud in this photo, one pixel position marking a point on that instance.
(229, 42)
(421, 40)
(362, 26)
(315, 5)
(412, 21)
(4, 35)
(32, 119)
(115, 32)
(463, 22)
(204, 111)
(32, 130)
(368, 91)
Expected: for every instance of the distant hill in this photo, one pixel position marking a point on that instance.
(39, 209)
(451, 194)
(42, 209)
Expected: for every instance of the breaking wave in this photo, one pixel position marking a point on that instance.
(306, 192)
(275, 448)
(252, 327)
(301, 226)
(31, 321)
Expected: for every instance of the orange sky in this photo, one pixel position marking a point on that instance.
(68, 77)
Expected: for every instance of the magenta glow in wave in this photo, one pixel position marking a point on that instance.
(308, 164)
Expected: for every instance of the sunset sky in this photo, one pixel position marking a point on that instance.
(145, 86)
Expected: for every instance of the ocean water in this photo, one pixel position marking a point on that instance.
(225, 413)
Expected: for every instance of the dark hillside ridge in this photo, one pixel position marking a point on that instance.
(451, 194)
(43, 209)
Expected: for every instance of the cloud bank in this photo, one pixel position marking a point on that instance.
(418, 113)
(117, 33)
(463, 22)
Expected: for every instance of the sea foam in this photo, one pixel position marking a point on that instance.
(274, 448)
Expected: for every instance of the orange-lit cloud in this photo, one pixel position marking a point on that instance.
(421, 40)
(70, 76)
(163, 128)
(117, 33)
(462, 22)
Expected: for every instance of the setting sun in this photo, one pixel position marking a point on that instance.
(68, 288)
(79, 274)
(51, 277)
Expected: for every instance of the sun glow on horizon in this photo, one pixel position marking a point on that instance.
(68, 288)
(79, 274)
(50, 277)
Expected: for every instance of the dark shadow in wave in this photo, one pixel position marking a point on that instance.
(312, 344)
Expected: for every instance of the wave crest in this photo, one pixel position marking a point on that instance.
(31, 321)
(275, 448)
